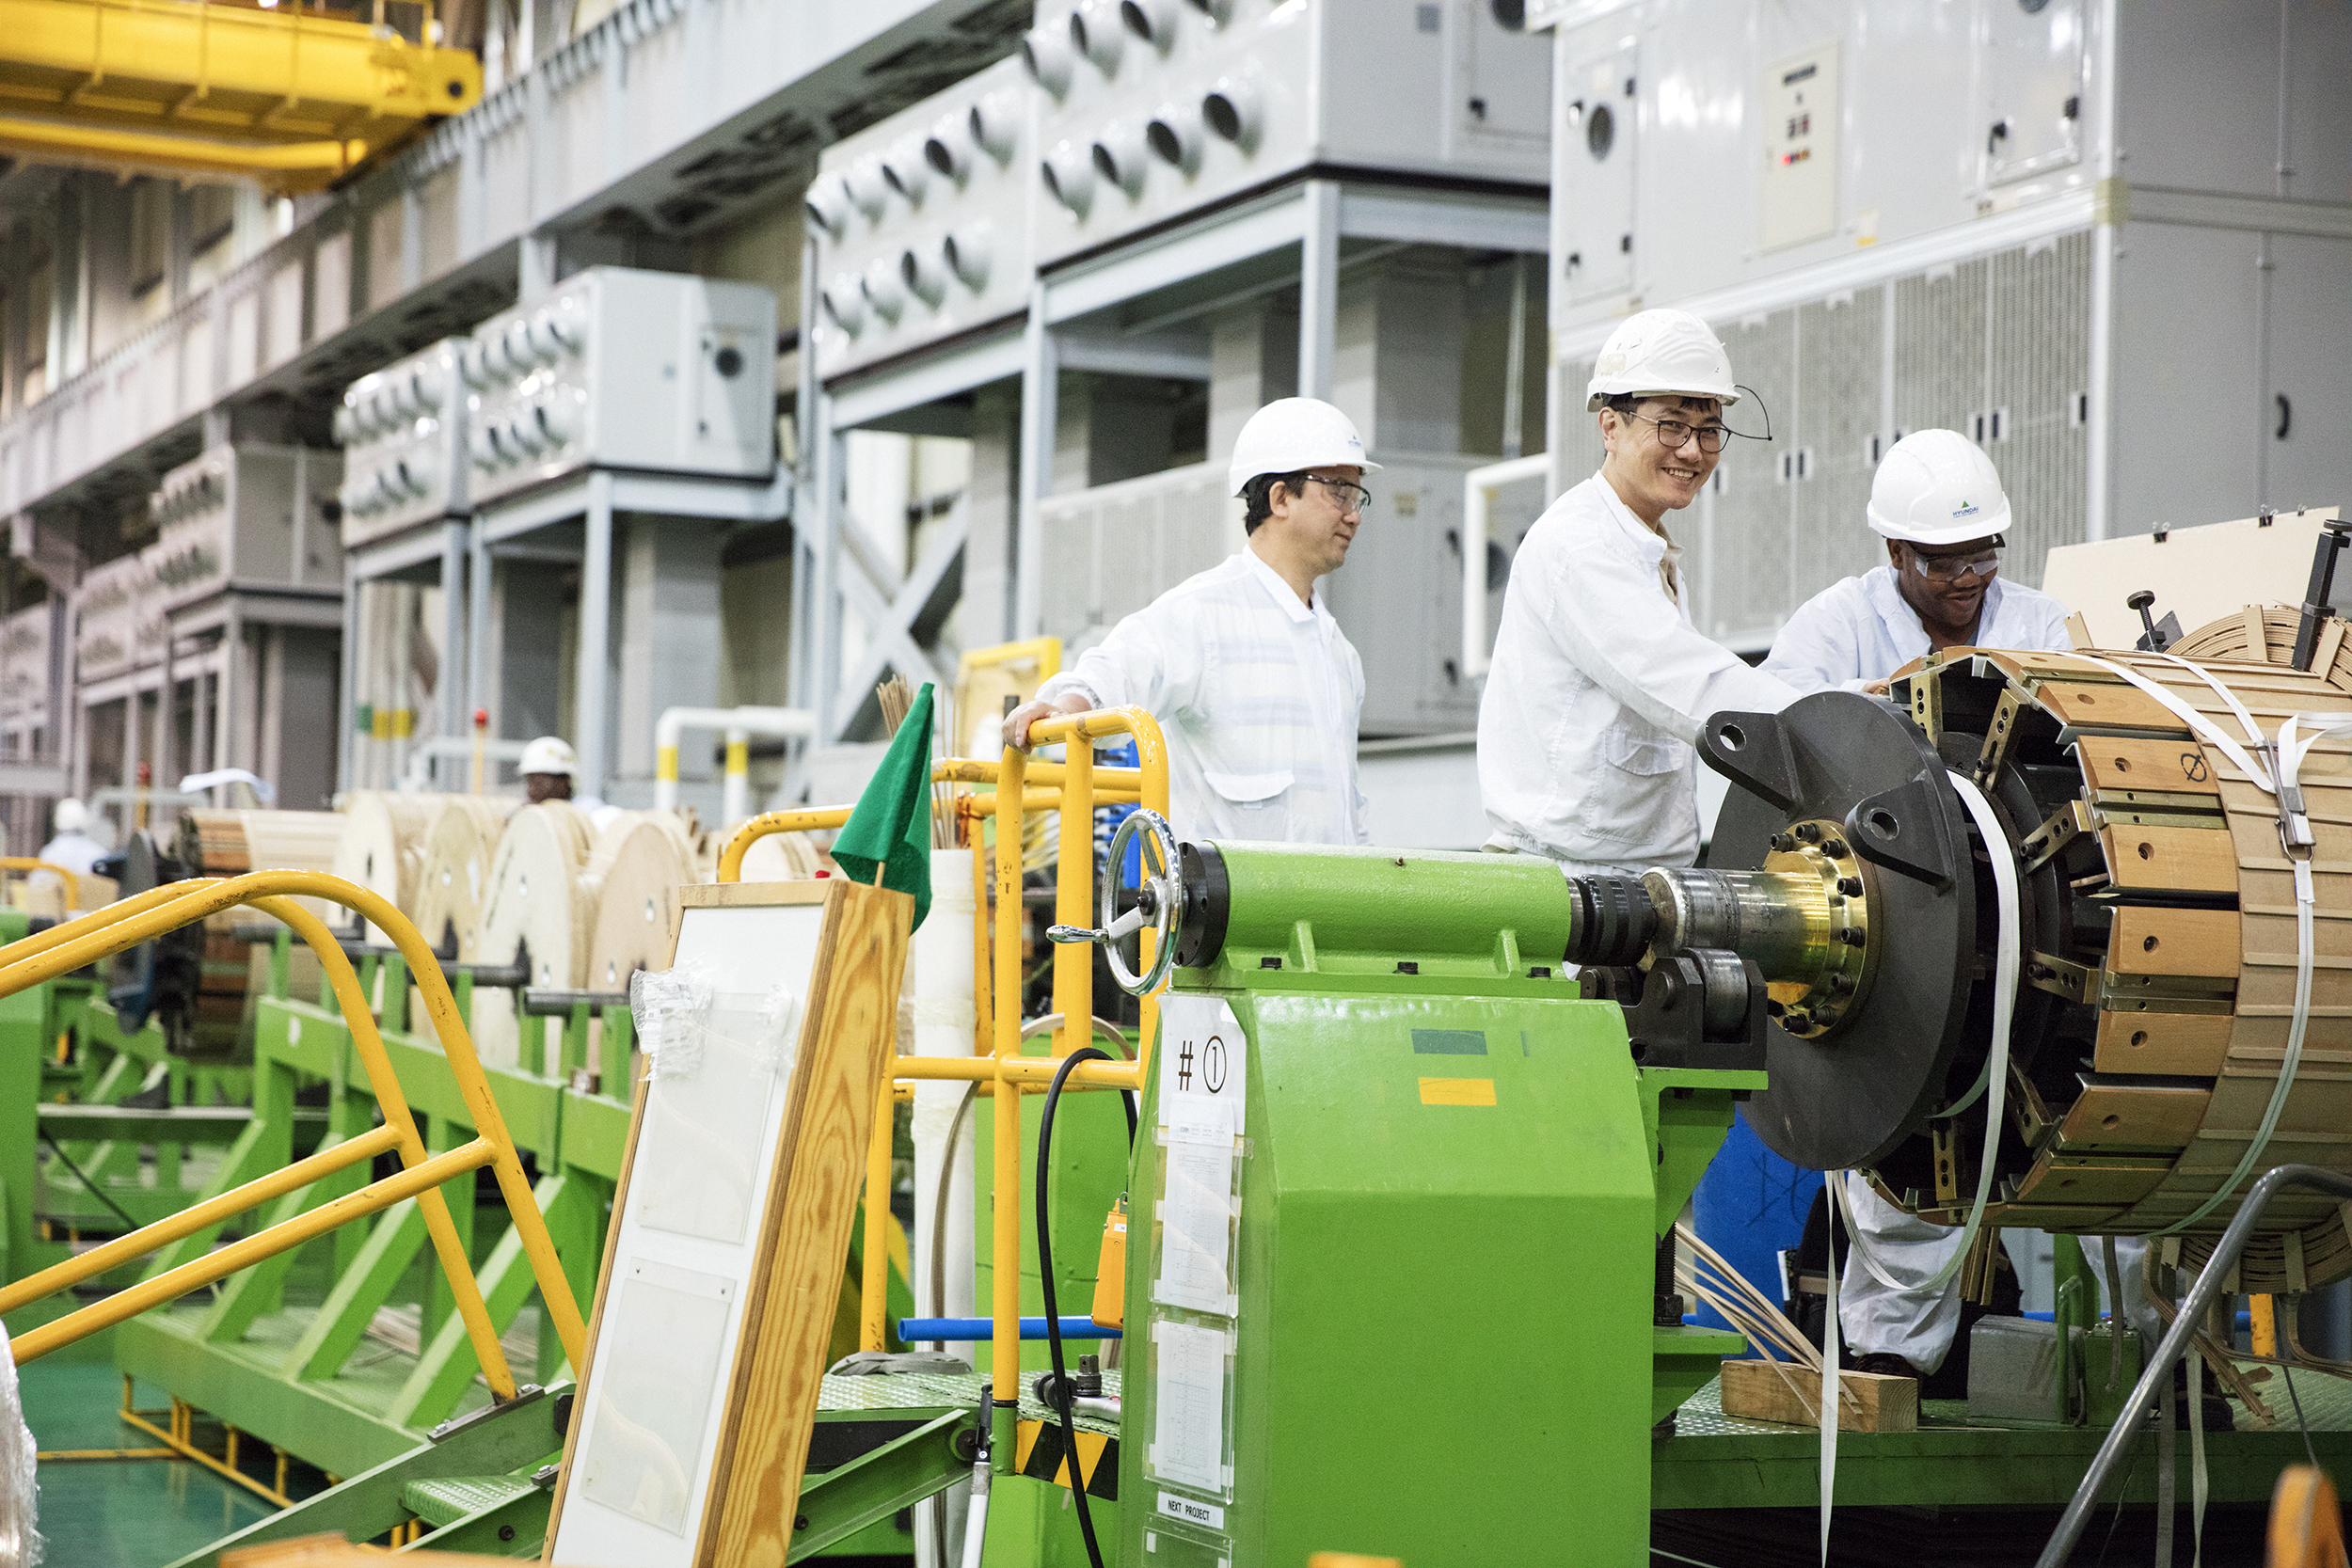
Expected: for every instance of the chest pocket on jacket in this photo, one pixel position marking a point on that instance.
(1639, 748)
(1257, 803)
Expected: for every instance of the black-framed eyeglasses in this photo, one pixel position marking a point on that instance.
(1672, 434)
(1955, 568)
(1351, 495)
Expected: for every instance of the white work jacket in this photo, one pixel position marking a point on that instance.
(1599, 687)
(1862, 629)
(1258, 696)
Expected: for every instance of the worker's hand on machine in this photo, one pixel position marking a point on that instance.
(1017, 722)
(1878, 688)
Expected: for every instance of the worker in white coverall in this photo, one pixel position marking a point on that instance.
(1938, 504)
(1256, 688)
(73, 847)
(1599, 682)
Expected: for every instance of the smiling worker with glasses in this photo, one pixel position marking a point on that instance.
(1599, 681)
(1937, 501)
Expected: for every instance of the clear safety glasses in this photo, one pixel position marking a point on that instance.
(1956, 568)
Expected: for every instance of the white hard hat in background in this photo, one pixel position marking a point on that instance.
(1661, 352)
(1937, 487)
(549, 754)
(1291, 434)
(71, 817)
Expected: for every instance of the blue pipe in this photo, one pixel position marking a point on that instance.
(911, 1330)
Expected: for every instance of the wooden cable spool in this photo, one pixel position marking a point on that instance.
(229, 844)
(453, 868)
(2164, 880)
(638, 865)
(537, 897)
(780, 857)
(382, 846)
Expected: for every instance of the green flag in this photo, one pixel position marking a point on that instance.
(891, 828)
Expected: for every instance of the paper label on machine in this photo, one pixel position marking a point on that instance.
(1189, 1406)
(1204, 1078)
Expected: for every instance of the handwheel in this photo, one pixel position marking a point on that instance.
(1159, 901)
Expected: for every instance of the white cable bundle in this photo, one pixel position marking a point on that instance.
(20, 1543)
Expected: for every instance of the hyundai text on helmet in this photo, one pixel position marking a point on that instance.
(1937, 487)
(1661, 353)
(1292, 433)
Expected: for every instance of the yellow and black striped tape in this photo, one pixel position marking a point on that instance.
(1041, 1453)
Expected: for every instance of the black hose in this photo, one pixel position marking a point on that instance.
(1059, 1387)
(88, 1185)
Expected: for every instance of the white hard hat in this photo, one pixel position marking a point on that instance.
(71, 817)
(1291, 434)
(549, 754)
(1661, 351)
(1937, 487)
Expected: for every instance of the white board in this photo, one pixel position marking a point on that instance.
(670, 1315)
(2198, 574)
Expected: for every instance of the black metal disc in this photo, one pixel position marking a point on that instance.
(1852, 1097)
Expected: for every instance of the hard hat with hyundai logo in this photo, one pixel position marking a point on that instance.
(1937, 487)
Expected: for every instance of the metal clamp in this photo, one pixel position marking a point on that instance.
(1159, 902)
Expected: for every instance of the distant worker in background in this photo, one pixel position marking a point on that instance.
(1937, 501)
(72, 847)
(1256, 688)
(1599, 682)
(546, 766)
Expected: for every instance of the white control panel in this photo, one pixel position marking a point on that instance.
(403, 431)
(622, 369)
(245, 516)
(922, 221)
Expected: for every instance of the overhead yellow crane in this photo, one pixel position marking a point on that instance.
(292, 97)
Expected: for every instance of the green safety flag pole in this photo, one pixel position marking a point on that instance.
(890, 832)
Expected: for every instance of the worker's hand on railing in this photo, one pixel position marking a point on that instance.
(1017, 722)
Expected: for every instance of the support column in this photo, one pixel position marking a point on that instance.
(347, 687)
(1039, 374)
(477, 621)
(807, 505)
(592, 685)
(455, 663)
(1318, 287)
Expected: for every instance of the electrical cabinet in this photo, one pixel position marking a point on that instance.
(118, 621)
(1595, 131)
(403, 430)
(1152, 109)
(921, 223)
(623, 369)
(246, 516)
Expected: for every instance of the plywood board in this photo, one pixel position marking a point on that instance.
(2126, 763)
(736, 1178)
(1776, 1391)
(2087, 705)
(2198, 574)
(2174, 942)
(2169, 1045)
(2172, 860)
(2133, 1116)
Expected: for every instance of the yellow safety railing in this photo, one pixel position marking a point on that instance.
(30, 862)
(69, 946)
(1072, 789)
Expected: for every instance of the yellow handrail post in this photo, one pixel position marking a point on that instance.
(1074, 899)
(1005, 1235)
(874, 1279)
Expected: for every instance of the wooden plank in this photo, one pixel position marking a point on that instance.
(2171, 860)
(820, 1163)
(2174, 942)
(2133, 1116)
(2029, 666)
(2078, 1219)
(2074, 1180)
(2314, 1105)
(1790, 1395)
(721, 896)
(2124, 763)
(2166, 1045)
(2104, 707)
